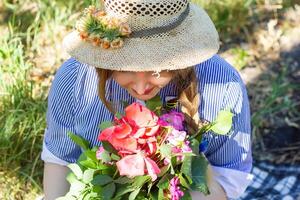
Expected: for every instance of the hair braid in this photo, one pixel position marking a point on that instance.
(189, 97)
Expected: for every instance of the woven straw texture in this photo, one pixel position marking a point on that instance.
(193, 41)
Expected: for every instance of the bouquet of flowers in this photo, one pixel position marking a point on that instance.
(146, 154)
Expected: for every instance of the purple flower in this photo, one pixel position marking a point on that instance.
(174, 119)
(176, 192)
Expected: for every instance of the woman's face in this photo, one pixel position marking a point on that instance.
(142, 85)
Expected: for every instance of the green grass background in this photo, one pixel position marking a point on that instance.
(29, 31)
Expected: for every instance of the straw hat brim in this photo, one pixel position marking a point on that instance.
(192, 42)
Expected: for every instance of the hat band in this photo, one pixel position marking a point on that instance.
(161, 29)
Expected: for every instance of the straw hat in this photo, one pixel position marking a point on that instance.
(162, 35)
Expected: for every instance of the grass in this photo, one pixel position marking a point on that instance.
(30, 30)
(273, 106)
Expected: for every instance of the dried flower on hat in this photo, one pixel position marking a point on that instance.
(102, 30)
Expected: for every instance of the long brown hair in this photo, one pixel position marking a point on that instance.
(185, 81)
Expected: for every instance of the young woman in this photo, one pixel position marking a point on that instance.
(170, 49)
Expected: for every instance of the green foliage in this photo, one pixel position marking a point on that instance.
(199, 174)
(165, 150)
(105, 125)
(223, 123)
(154, 104)
(225, 13)
(79, 140)
(240, 56)
(102, 179)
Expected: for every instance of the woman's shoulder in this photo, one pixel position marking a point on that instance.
(74, 72)
(220, 86)
(71, 67)
(73, 81)
(216, 70)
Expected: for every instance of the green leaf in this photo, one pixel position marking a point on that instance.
(97, 189)
(133, 194)
(105, 125)
(91, 155)
(76, 170)
(101, 179)
(88, 175)
(161, 195)
(125, 103)
(90, 195)
(102, 166)
(186, 196)
(123, 180)
(84, 144)
(88, 164)
(154, 104)
(165, 150)
(149, 188)
(124, 189)
(164, 182)
(76, 188)
(173, 164)
(139, 181)
(118, 115)
(223, 123)
(183, 181)
(199, 174)
(195, 146)
(105, 157)
(115, 157)
(108, 191)
(71, 177)
(108, 147)
(154, 195)
(88, 159)
(164, 170)
(186, 168)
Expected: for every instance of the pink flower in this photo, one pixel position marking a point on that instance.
(140, 116)
(176, 138)
(176, 192)
(137, 165)
(139, 126)
(174, 119)
(186, 147)
(131, 165)
(119, 136)
(134, 136)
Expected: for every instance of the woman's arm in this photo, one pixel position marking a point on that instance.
(216, 190)
(55, 183)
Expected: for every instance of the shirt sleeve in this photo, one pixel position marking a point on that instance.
(60, 117)
(231, 155)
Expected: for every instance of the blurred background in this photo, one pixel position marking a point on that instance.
(261, 38)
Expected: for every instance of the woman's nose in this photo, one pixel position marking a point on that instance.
(141, 83)
(140, 87)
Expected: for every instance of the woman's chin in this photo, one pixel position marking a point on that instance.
(144, 97)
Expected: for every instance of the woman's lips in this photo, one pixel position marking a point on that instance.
(146, 92)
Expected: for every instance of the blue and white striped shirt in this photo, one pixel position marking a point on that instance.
(73, 105)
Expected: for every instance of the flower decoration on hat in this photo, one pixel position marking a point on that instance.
(102, 30)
